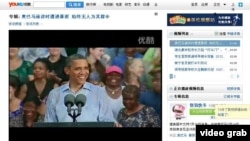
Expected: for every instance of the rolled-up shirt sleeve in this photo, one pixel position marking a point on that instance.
(50, 115)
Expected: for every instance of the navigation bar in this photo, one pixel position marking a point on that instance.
(128, 5)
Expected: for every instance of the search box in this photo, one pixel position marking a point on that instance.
(49, 4)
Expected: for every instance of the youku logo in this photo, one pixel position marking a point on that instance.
(15, 4)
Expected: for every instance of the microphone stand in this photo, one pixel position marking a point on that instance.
(74, 116)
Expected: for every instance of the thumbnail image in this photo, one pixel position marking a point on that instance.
(178, 111)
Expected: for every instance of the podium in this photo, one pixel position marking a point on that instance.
(74, 124)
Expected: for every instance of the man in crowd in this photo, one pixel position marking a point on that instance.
(96, 108)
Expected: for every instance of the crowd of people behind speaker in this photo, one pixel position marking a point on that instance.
(40, 70)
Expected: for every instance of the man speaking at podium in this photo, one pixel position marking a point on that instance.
(62, 105)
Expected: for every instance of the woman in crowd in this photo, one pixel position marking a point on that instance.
(20, 68)
(30, 112)
(15, 105)
(39, 88)
(134, 70)
(97, 69)
(135, 114)
(57, 63)
(113, 89)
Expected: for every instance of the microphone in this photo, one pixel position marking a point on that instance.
(69, 101)
(80, 102)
